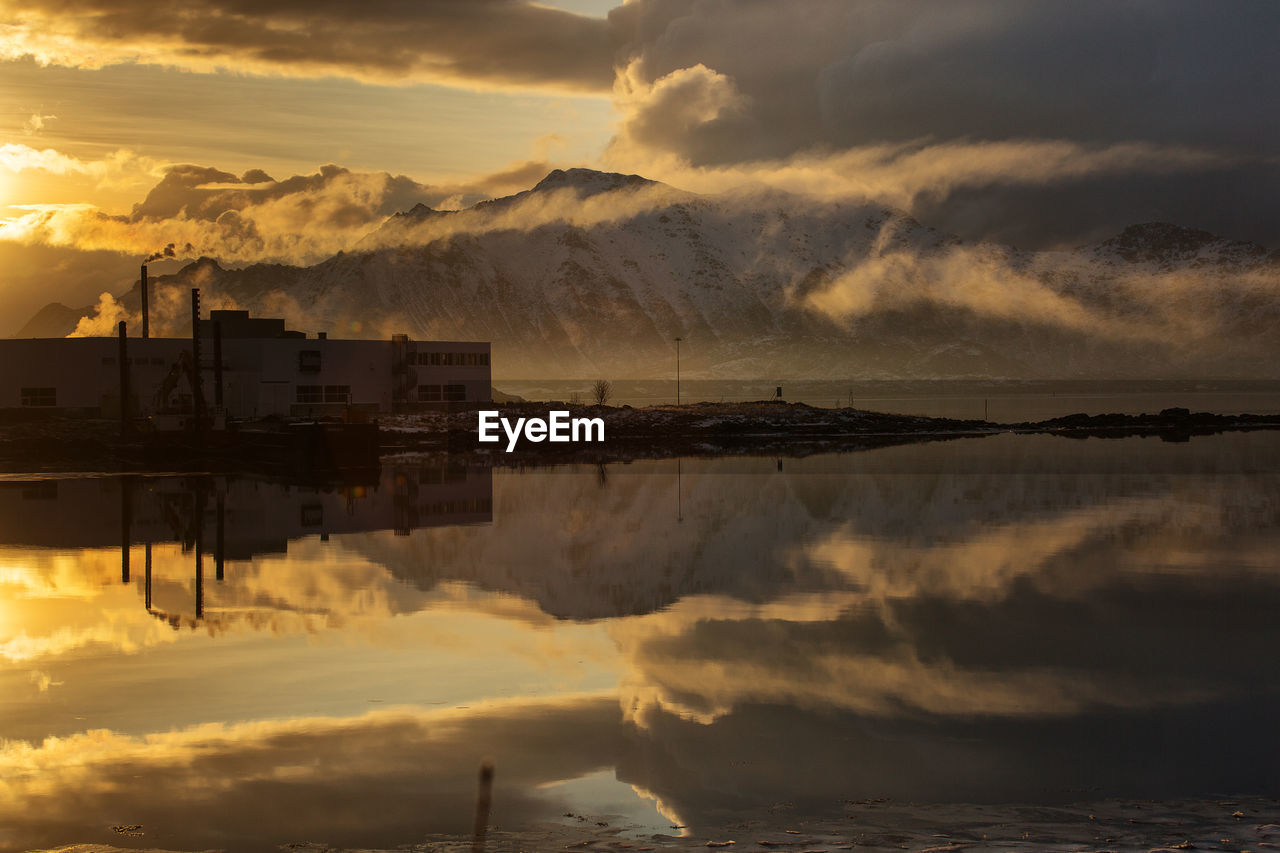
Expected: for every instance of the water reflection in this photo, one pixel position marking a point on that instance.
(1013, 619)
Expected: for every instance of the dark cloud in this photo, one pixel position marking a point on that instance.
(716, 84)
(826, 72)
(481, 42)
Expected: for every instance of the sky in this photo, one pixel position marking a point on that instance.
(1036, 124)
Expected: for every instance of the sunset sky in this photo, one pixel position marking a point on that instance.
(1032, 123)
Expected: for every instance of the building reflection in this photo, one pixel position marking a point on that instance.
(233, 518)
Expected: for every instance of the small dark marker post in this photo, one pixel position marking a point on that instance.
(483, 799)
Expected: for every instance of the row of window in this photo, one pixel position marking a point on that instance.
(312, 515)
(39, 396)
(110, 361)
(324, 393)
(460, 506)
(305, 394)
(450, 359)
(442, 393)
(44, 490)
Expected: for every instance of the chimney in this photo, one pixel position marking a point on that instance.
(146, 307)
(197, 391)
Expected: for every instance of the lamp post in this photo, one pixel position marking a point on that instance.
(678, 370)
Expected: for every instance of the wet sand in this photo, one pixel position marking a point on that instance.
(1228, 824)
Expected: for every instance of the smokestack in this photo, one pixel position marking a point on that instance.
(217, 366)
(197, 391)
(146, 306)
(124, 382)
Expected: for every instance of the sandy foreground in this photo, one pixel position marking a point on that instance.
(1234, 825)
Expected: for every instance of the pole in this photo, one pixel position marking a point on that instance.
(197, 392)
(217, 363)
(124, 382)
(678, 371)
(199, 549)
(126, 523)
(484, 798)
(146, 307)
(219, 542)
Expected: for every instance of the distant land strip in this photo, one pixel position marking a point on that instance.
(697, 429)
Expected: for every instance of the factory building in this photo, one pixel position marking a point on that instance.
(242, 366)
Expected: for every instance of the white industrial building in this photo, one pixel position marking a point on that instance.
(265, 370)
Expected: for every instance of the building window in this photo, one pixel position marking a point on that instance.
(429, 394)
(45, 490)
(309, 361)
(455, 393)
(453, 359)
(39, 396)
(337, 393)
(312, 515)
(310, 393)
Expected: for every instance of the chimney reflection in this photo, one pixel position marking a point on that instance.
(250, 518)
(220, 536)
(126, 525)
(198, 530)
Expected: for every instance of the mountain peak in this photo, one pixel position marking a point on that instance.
(589, 181)
(1165, 242)
(54, 320)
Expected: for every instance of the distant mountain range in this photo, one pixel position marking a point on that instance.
(595, 274)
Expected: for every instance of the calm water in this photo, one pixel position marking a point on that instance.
(239, 664)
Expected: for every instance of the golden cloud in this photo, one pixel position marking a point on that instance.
(482, 44)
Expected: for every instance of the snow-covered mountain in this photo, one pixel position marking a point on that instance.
(595, 274)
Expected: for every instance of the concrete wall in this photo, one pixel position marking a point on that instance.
(261, 376)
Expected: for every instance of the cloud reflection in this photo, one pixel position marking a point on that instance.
(378, 779)
(911, 622)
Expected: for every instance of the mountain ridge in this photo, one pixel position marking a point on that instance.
(593, 273)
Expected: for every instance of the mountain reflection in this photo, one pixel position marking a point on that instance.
(1017, 619)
